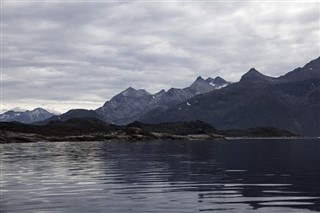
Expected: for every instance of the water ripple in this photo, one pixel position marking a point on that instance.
(170, 176)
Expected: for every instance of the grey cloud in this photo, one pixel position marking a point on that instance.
(83, 53)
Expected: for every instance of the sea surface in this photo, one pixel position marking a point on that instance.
(168, 176)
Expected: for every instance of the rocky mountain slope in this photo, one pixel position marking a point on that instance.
(290, 102)
(131, 104)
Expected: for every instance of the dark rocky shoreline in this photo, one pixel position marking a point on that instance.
(13, 137)
(89, 129)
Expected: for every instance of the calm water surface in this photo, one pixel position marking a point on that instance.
(174, 176)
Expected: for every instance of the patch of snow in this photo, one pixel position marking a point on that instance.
(188, 104)
(310, 68)
(179, 108)
(217, 86)
(223, 85)
(36, 113)
(153, 97)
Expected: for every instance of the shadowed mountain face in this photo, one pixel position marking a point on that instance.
(35, 115)
(255, 75)
(131, 104)
(290, 102)
(74, 113)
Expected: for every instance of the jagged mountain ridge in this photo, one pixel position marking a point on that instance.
(123, 108)
(131, 104)
(289, 102)
(127, 106)
(27, 117)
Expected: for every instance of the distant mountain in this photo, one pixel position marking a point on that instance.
(123, 108)
(290, 102)
(127, 106)
(73, 113)
(131, 104)
(27, 117)
(255, 75)
(218, 82)
(175, 96)
(309, 71)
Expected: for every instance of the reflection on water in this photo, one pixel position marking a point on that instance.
(220, 176)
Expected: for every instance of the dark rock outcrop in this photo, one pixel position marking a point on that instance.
(91, 129)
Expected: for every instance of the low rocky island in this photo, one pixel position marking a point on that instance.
(91, 129)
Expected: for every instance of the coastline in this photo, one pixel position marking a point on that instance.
(120, 136)
(271, 138)
(87, 129)
(13, 137)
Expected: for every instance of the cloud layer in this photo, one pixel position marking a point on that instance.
(63, 55)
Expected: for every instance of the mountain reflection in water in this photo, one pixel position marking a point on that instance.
(172, 176)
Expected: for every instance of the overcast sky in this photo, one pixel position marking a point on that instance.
(63, 55)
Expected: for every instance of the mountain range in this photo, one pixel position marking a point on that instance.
(125, 107)
(290, 102)
(131, 104)
(32, 116)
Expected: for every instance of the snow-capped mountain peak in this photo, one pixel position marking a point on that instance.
(28, 116)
